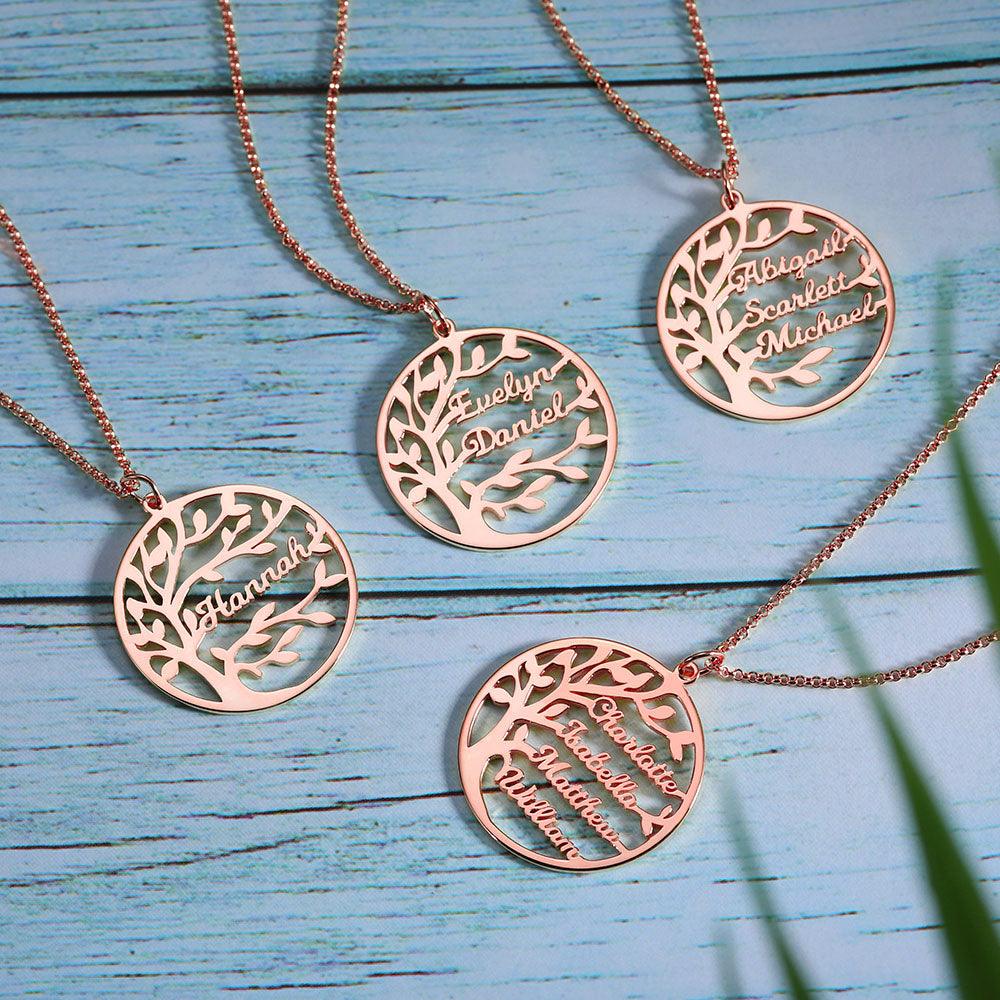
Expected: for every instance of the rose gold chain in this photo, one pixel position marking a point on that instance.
(414, 300)
(730, 169)
(713, 661)
(128, 485)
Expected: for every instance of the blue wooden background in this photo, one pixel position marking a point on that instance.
(325, 846)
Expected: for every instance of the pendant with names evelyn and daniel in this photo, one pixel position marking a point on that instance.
(495, 438)
(234, 598)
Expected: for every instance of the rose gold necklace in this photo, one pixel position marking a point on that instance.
(230, 599)
(772, 310)
(490, 438)
(581, 754)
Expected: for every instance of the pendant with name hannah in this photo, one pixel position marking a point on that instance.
(235, 598)
(495, 438)
(775, 310)
(581, 754)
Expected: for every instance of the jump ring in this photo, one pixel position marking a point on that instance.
(152, 501)
(440, 324)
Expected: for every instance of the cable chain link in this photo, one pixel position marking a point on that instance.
(715, 658)
(415, 301)
(126, 487)
(730, 168)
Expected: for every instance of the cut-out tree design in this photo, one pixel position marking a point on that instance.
(194, 606)
(547, 687)
(701, 319)
(431, 469)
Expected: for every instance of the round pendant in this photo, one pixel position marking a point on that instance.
(235, 598)
(581, 754)
(496, 438)
(775, 310)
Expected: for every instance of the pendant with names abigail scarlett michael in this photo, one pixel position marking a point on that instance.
(495, 438)
(235, 598)
(775, 310)
(581, 754)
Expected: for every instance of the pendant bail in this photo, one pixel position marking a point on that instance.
(440, 324)
(152, 501)
(730, 196)
(704, 661)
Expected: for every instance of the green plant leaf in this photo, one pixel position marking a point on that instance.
(970, 936)
(795, 980)
(979, 528)
(729, 976)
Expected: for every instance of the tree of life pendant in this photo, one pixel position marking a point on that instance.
(495, 438)
(235, 598)
(581, 754)
(775, 310)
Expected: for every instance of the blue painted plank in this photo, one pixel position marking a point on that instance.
(149, 850)
(219, 360)
(51, 46)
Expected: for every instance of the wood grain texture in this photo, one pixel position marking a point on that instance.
(324, 847)
(130, 45)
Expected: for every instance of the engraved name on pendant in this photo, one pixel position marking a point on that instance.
(581, 754)
(775, 310)
(495, 438)
(235, 598)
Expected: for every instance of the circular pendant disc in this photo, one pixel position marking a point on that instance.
(581, 754)
(235, 598)
(496, 438)
(775, 310)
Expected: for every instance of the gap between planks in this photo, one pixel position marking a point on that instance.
(609, 589)
(282, 90)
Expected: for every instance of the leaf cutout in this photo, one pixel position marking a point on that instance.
(818, 354)
(397, 429)
(319, 617)
(262, 614)
(291, 635)
(663, 712)
(528, 503)
(804, 377)
(199, 520)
